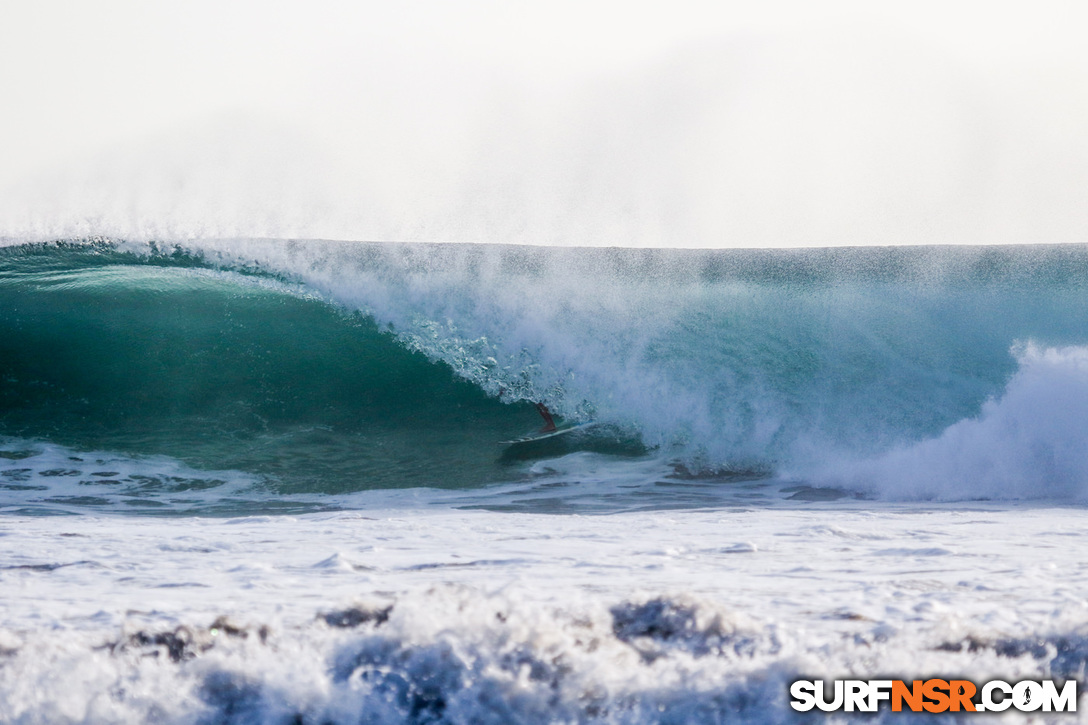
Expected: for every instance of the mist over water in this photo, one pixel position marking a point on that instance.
(837, 130)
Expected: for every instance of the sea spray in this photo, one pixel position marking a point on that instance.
(1028, 443)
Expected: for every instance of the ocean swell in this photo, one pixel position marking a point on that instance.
(329, 367)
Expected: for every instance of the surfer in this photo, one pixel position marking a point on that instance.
(549, 424)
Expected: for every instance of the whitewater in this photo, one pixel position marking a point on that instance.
(253, 480)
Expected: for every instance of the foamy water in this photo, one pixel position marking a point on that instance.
(394, 615)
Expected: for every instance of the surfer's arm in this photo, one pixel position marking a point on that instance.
(549, 424)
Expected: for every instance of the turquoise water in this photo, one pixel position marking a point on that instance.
(333, 367)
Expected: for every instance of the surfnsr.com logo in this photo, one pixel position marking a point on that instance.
(933, 695)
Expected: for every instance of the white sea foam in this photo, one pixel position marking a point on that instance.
(394, 615)
(1029, 443)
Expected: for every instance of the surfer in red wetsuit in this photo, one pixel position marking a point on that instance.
(549, 424)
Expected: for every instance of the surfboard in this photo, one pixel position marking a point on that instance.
(560, 430)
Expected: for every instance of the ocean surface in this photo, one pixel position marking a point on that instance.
(251, 481)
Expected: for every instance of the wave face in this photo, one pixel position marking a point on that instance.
(326, 368)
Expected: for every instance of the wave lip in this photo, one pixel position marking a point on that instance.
(1028, 444)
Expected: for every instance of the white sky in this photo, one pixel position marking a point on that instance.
(664, 124)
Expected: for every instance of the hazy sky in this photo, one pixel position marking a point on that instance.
(663, 124)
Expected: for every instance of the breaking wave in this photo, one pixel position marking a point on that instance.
(327, 368)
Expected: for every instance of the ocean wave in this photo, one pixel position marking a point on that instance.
(328, 368)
